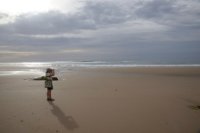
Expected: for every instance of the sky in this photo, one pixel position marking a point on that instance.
(136, 30)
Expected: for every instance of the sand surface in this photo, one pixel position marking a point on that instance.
(109, 100)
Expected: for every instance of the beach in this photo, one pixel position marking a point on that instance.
(104, 100)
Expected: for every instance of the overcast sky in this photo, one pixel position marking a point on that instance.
(33, 30)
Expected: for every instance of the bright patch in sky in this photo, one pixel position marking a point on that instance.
(16, 7)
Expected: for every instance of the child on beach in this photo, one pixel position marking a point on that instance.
(48, 83)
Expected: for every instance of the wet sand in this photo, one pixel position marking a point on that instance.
(107, 100)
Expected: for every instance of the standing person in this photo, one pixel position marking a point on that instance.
(49, 83)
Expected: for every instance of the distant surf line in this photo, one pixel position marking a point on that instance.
(89, 64)
(38, 68)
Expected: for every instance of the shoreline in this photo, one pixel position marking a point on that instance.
(15, 71)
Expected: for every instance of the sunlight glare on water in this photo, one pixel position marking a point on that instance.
(35, 72)
(35, 64)
(24, 68)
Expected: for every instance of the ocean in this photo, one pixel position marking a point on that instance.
(38, 68)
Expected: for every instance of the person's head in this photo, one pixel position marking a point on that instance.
(49, 70)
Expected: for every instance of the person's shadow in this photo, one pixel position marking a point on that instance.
(67, 121)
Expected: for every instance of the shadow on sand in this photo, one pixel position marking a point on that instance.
(195, 105)
(67, 121)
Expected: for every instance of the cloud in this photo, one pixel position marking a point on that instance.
(4, 18)
(175, 13)
(72, 51)
(3, 15)
(105, 13)
(90, 17)
(111, 27)
(52, 22)
(156, 8)
(99, 15)
(16, 54)
(55, 27)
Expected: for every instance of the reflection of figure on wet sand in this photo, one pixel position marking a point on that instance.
(67, 121)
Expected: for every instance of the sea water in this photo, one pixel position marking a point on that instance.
(38, 68)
